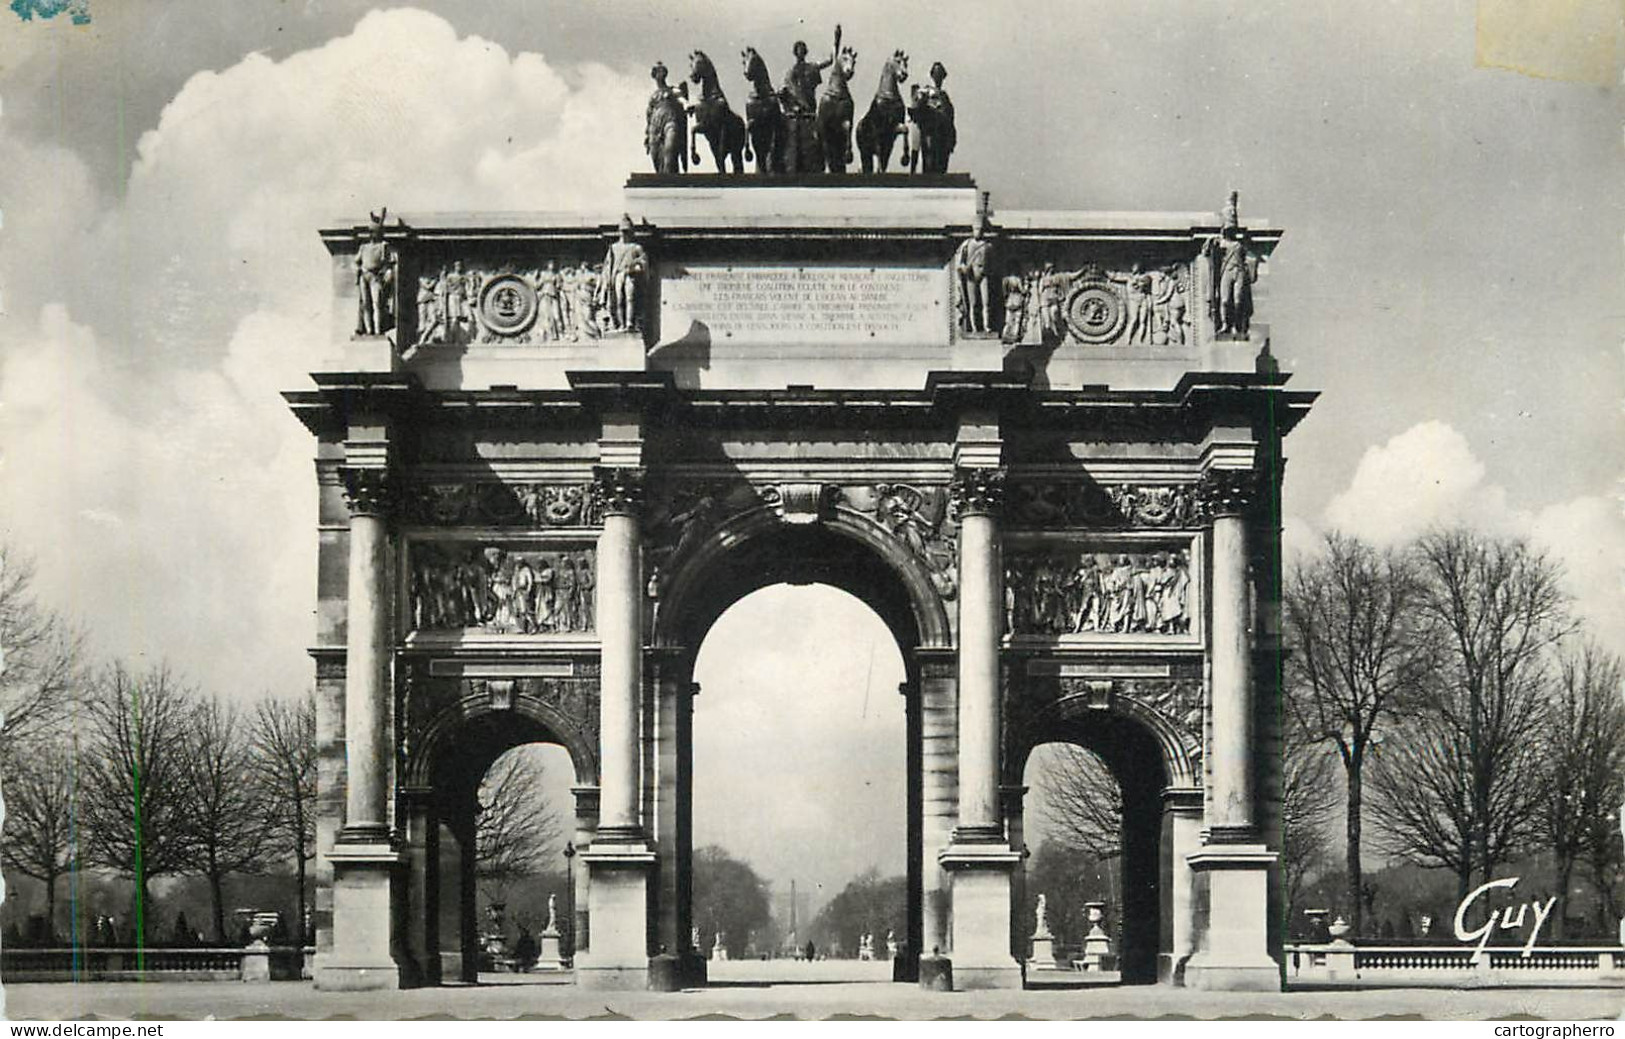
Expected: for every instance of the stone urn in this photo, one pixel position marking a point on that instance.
(1339, 930)
(1097, 946)
(262, 925)
(1317, 923)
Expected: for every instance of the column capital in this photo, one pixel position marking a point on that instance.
(618, 489)
(978, 491)
(1229, 492)
(369, 490)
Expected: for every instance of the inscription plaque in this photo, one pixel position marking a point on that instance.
(826, 305)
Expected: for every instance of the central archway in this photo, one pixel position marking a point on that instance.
(800, 773)
(841, 549)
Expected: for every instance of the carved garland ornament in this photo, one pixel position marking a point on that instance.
(1051, 504)
(489, 503)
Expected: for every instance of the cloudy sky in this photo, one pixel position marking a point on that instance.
(1449, 180)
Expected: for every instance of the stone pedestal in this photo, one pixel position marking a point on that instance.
(981, 922)
(1236, 955)
(1097, 945)
(551, 955)
(257, 963)
(363, 957)
(619, 957)
(1043, 955)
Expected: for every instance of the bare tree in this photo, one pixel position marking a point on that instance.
(1308, 800)
(1083, 805)
(40, 655)
(40, 840)
(1358, 650)
(516, 829)
(135, 803)
(1461, 785)
(1584, 750)
(284, 744)
(227, 827)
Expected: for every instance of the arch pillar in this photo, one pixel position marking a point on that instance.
(980, 858)
(1237, 865)
(619, 861)
(368, 882)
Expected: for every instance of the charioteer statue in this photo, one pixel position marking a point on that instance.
(807, 125)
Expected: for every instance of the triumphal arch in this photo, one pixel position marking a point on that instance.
(1043, 446)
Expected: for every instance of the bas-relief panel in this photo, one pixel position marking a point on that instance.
(1089, 589)
(468, 587)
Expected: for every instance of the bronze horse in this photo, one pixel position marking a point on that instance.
(764, 119)
(713, 119)
(879, 128)
(833, 123)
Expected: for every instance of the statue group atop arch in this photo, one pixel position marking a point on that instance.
(807, 124)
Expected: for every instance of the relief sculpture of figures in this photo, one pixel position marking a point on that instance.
(1066, 593)
(503, 591)
(714, 120)
(626, 265)
(914, 516)
(550, 304)
(1234, 268)
(764, 119)
(878, 130)
(971, 263)
(375, 280)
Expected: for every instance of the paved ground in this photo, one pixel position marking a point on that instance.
(825, 991)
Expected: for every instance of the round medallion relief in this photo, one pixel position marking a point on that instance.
(1096, 313)
(508, 304)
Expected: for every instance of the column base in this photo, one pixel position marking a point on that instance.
(618, 905)
(936, 973)
(611, 979)
(364, 955)
(451, 967)
(1232, 977)
(1234, 954)
(981, 956)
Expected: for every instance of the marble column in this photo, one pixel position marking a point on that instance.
(1234, 951)
(367, 880)
(980, 857)
(619, 859)
(1232, 819)
(368, 492)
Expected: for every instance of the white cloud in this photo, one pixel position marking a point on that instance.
(1429, 476)
(149, 460)
(1425, 476)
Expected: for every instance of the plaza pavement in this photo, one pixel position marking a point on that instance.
(755, 990)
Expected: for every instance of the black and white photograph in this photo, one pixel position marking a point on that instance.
(817, 511)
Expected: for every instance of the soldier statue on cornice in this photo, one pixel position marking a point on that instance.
(1233, 268)
(626, 266)
(375, 280)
